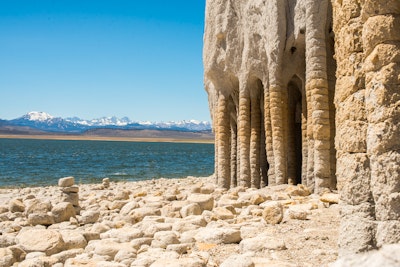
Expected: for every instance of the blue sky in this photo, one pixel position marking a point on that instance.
(92, 58)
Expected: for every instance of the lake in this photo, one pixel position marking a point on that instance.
(26, 162)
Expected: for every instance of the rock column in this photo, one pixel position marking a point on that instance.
(276, 45)
(244, 136)
(353, 165)
(69, 192)
(381, 43)
(255, 125)
(367, 37)
(317, 90)
(224, 135)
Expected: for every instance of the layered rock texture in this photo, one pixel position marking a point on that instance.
(305, 91)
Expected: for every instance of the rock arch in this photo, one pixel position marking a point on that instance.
(296, 110)
(269, 64)
(265, 61)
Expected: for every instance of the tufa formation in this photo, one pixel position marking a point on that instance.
(305, 91)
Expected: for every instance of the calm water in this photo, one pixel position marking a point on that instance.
(43, 162)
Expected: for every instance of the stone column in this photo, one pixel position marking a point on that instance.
(381, 43)
(357, 227)
(255, 137)
(263, 153)
(234, 153)
(215, 128)
(224, 136)
(268, 138)
(277, 38)
(317, 84)
(244, 136)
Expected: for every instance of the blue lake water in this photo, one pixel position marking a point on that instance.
(25, 162)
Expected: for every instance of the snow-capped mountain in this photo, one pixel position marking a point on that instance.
(46, 122)
(37, 116)
(104, 121)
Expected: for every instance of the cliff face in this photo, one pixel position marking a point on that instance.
(280, 112)
(368, 135)
(271, 85)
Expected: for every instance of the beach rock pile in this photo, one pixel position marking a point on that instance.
(70, 192)
(106, 183)
(166, 222)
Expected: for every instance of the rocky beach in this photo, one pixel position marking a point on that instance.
(166, 222)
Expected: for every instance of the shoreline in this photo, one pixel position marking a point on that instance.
(107, 138)
(114, 181)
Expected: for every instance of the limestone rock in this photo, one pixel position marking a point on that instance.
(63, 211)
(223, 213)
(67, 254)
(256, 199)
(151, 228)
(297, 213)
(299, 190)
(16, 205)
(70, 189)
(193, 262)
(41, 218)
(129, 207)
(179, 248)
(124, 234)
(192, 222)
(7, 240)
(330, 198)
(191, 209)
(73, 239)
(387, 256)
(41, 240)
(138, 242)
(66, 181)
(91, 236)
(6, 257)
(218, 235)
(3, 209)
(207, 189)
(122, 195)
(37, 206)
(164, 238)
(117, 204)
(229, 200)
(125, 256)
(107, 247)
(154, 254)
(89, 216)
(138, 214)
(273, 212)
(238, 261)
(72, 198)
(206, 202)
(260, 243)
(106, 182)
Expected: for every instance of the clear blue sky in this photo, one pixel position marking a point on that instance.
(94, 58)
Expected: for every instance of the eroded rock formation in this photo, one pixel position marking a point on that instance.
(301, 90)
(271, 87)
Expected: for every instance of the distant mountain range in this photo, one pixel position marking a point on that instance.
(40, 122)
